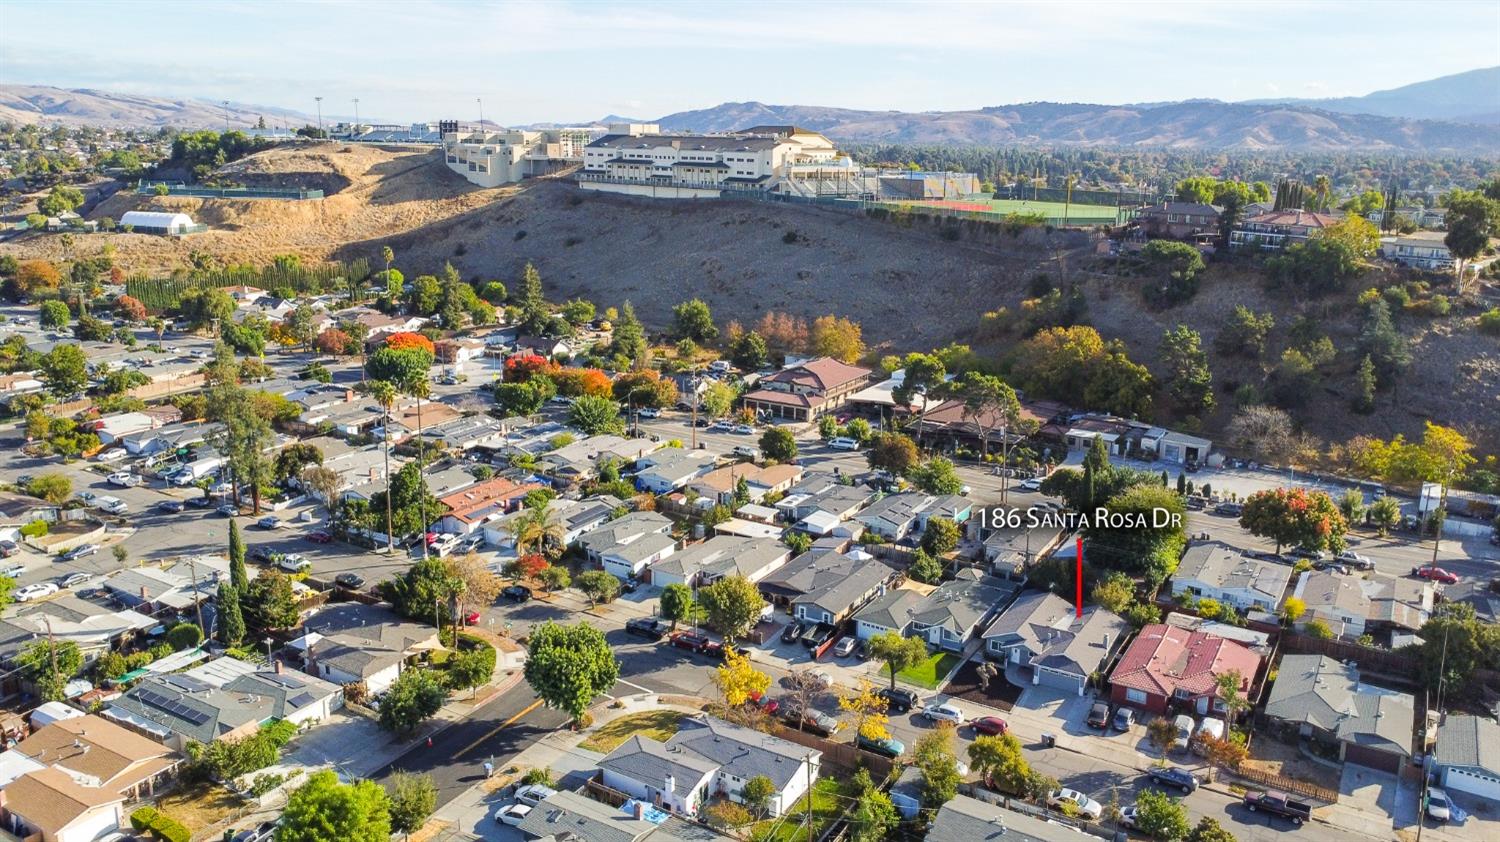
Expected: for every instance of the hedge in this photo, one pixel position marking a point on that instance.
(164, 827)
(143, 818)
(35, 529)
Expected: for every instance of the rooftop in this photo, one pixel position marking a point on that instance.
(1163, 659)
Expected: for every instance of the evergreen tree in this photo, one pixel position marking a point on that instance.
(1364, 387)
(231, 623)
(237, 573)
(630, 337)
(534, 316)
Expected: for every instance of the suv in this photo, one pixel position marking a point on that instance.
(691, 641)
(745, 450)
(899, 700)
(793, 631)
(843, 443)
(1099, 715)
(888, 747)
(645, 627)
(1173, 777)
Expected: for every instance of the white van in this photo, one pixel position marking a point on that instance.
(843, 443)
(111, 505)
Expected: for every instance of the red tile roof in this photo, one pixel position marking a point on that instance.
(1294, 217)
(476, 498)
(1163, 659)
(824, 373)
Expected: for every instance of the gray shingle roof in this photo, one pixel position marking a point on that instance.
(1057, 638)
(191, 708)
(1469, 741)
(959, 605)
(741, 752)
(650, 762)
(609, 537)
(891, 609)
(965, 819)
(1219, 565)
(1323, 692)
(835, 581)
(586, 819)
(723, 555)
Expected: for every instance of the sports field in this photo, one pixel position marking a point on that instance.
(1055, 212)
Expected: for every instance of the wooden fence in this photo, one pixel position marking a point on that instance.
(1292, 785)
(844, 755)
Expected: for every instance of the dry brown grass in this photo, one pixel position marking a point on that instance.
(201, 806)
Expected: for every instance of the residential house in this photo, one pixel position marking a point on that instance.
(1278, 229)
(889, 612)
(965, 819)
(828, 587)
(803, 392)
(1010, 551)
(708, 756)
(1478, 595)
(1169, 665)
(947, 617)
(1324, 699)
(153, 590)
(951, 422)
(378, 325)
(1179, 220)
(465, 433)
(458, 351)
(169, 438)
(179, 709)
(449, 480)
(297, 697)
(1468, 756)
(93, 627)
(472, 507)
(111, 428)
(1352, 607)
(718, 486)
(696, 565)
(671, 468)
(544, 346)
(50, 805)
(823, 493)
(17, 510)
(98, 753)
(1214, 570)
(1041, 633)
(743, 528)
(628, 545)
(576, 517)
(356, 643)
(567, 816)
(20, 382)
(1174, 447)
(579, 461)
(361, 417)
(896, 516)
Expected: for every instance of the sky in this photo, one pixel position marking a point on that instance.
(524, 62)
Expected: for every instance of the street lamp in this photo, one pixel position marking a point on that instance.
(268, 641)
(480, 100)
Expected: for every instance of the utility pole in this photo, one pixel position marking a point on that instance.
(1426, 770)
(807, 761)
(480, 100)
(693, 384)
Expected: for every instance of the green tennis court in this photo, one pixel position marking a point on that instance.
(1055, 212)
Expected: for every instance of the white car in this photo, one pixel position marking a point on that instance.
(36, 591)
(843, 443)
(294, 563)
(648, 412)
(111, 505)
(125, 479)
(944, 712)
(744, 429)
(1439, 808)
(1032, 484)
(721, 425)
(1085, 805)
(512, 814)
(751, 453)
(73, 580)
(845, 647)
(534, 794)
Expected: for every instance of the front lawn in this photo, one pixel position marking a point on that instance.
(827, 805)
(200, 806)
(659, 725)
(928, 673)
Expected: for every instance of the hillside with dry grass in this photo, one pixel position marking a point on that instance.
(910, 287)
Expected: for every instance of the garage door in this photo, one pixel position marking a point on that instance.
(1476, 783)
(1372, 757)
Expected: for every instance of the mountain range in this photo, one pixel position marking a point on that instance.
(1453, 114)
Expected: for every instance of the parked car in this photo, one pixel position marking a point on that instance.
(691, 641)
(534, 794)
(517, 593)
(645, 627)
(85, 496)
(513, 814)
(993, 726)
(812, 721)
(745, 450)
(1209, 729)
(1129, 816)
(818, 635)
(227, 510)
(1124, 718)
(319, 537)
(1032, 484)
(1315, 555)
(13, 571)
(1434, 573)
(200, 502)
(124, 479)
(721, 425)
(649, 412)
(1085, 805)
(170, 507)
(1099, 715)
(269, 522)
(73, 580)
(1184, 725)
(888, 747)
(943, 712)
(845, 647)
(743, 429)
(9, 548)
(1279, 804)
(898, 700)
(843, 443)
(35, 591)
(111, 505)
(1229, 509)
(352, 581)
(294, 563)
(80, 551)
(793, 630)
(821, 679)
(1439, 808)
(1171, 776)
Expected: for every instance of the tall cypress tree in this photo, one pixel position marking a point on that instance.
(231, 623)
(237, 573)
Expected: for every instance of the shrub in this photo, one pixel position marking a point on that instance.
(35, 529)
(263, 784)
(184, 636)
(136, 660)
(142, 818)
(539, 776)
(110, 665)
(171, 830)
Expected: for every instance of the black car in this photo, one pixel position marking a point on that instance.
(1099, 715)
(793, 631)
(519, 593)
(701, 422)
(200, 502)
(170, 507)
(899, 700)
(629, 585)
(645, 627)
(1172, 776)
(352, 581)
(261, 553)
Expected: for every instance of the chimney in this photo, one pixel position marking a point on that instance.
(1106, 643)
(144, 598)
(278, 666)
(640, 811)
(671, 785)
(348, 395)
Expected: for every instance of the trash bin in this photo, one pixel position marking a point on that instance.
(1049, 741)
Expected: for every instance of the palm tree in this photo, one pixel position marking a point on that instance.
(159, 325)
(420, 389)
(385, 395)
(1324, 189)
(533, 528)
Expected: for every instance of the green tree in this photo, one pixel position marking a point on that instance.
(1000, 760)
(568, 666)
(535, 318)
(989, 402)
(892, 452)
(716, 400)
(936, 476)
(65, 370)
(941, 536)
(54, 488)
(578, 312)
(1160, 816)
(231, 623)
(757, 792)
(416, 593)
(1188, 380)
(749, 352)
(1175, 267)
(1114, 593)
(268, 603)
(184, 636)
(413, 797)
(471, 669)
(54, 314)
(1244, 333)
(1470, 645)
(676, 603)
(526, 398)
(1145, 533)
(1473, 219)
(49, 665)
(594, 415)
(732, 606)
(925, 568)
(324, 810)
(897, 653)
(923, 385)
(874, 816)
(239, 577)
(933, 755)
(1209, 830)
(629, 339)
(597, 585)
(1385, 513)
(414, 697)
(1381, 343)
(1295, 517)
(692, 320)
(1364, 387)
(400, 367)
(778, 445)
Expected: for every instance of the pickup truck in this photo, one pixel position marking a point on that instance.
(1280, 804)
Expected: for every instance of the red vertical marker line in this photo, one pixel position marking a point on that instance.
(1078, 599)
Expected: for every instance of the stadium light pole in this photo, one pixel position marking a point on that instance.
(356, 113)
(320, 116)
(480, 100)
(226, 116)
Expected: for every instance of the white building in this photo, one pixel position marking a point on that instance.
(490, 159)
(155, 222)
(641, 160)
(1217, 571)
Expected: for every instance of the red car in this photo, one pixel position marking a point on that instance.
(991, 725)
(691, 641)
(471, 618)
(1436, 574)
(764, 702)
(319, 537)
